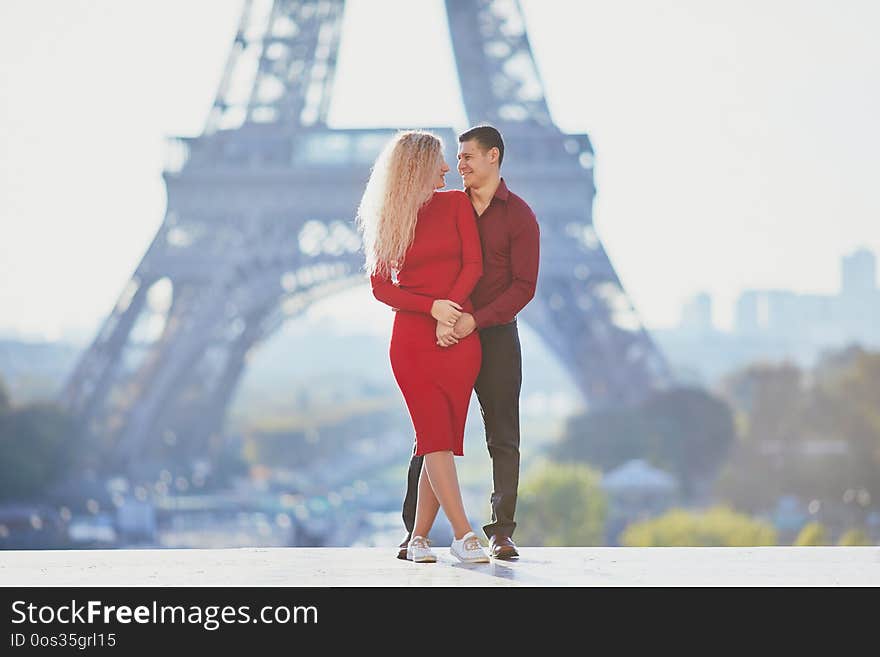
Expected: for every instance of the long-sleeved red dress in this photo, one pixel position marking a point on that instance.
(443, 262)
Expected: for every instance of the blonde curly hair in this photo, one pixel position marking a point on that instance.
(400, 183)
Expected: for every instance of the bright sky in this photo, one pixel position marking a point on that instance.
(737, 143)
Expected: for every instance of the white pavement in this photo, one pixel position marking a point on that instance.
(593, 566)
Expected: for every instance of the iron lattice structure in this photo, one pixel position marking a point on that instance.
(260, 224)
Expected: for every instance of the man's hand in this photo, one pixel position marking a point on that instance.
(445, 338)
(464, 326)
(445, 311)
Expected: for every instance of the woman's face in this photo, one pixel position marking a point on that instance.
(442, 170)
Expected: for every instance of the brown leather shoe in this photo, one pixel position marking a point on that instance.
(502, 547)
(401, 553)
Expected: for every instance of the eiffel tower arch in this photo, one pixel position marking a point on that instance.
(260, 224)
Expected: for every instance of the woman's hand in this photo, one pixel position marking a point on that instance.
(445, 311)
(445, 335)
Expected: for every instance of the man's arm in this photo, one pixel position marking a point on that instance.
(524, 256)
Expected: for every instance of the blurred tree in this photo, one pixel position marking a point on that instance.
(35, 449)
(854, 537)
(768, 401)
(684, 430)
(768, 397)
(855, 392)
(815, 435)
(833, 362)
(696, 433)
(719, 526)
(606, 439)
(813, 533)
(561, 505)
(749, 481)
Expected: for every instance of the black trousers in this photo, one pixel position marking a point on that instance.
(497, 387)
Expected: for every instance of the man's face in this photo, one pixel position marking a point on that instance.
(475, 165)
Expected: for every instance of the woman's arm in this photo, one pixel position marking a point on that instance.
(387, 292)
(443, 310)
(471, 251)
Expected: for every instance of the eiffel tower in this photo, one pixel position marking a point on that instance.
(259, 224)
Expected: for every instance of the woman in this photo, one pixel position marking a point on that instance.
(429, 241)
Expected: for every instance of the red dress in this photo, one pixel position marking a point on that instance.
(444, 262)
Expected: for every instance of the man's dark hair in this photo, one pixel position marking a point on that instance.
(487, 137)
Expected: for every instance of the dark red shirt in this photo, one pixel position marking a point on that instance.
(510, 237)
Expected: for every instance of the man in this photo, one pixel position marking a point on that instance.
(510, 240)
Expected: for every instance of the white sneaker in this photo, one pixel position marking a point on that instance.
(468, 549)
(418, 550)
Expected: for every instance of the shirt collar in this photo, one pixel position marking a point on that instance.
(501, 193)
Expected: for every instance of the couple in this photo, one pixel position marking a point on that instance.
(465, 263)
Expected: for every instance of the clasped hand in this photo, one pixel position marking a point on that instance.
(453, 323)
(450, 335)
